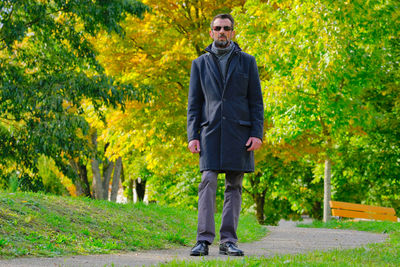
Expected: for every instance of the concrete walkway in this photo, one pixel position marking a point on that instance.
(283, 239)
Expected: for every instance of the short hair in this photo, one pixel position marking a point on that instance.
(223, 16)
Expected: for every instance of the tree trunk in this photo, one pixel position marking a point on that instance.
(327, 190)
(130, 191)
(128, 187)
(258, 197)
(122, 177)
(116, 178)
(77, 180)
(316, 211)
(84, 180)
(107, 171)
(140, 186)
(259, 200)
(97, 183)
(81, 182)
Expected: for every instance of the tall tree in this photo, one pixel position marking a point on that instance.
(47, 66)
(320, 56)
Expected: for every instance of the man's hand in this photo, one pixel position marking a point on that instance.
(253, 143)
(194, 146)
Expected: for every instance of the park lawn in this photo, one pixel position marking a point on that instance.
(381, 254)
(34, 224)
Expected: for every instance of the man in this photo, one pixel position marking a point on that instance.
(224, 125)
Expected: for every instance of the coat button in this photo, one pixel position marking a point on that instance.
(224, 118)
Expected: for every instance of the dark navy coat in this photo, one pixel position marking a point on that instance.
(224, 114)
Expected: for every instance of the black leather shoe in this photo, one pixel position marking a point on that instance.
(230, 249)
(200, 249)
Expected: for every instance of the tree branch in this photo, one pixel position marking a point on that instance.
(141, 48)
(32, 22)
(309, 94)
(247, 191)
(180, 84)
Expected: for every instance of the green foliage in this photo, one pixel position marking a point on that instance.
(13, 183)
(330, 75)
(286, 189)
(367, 172)
(44, 225)
(319, 56)
(181, 189)
(47, 67)
(51, 182)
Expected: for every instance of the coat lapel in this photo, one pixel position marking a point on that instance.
(214, 70)
(231, 68)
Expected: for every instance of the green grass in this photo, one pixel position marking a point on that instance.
(369, 226)
(381, 254)
(34, 224)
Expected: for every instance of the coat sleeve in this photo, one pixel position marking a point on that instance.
(195, 104)
(256, 105)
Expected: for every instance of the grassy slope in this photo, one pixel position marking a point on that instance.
(383, 254)
(44, 225)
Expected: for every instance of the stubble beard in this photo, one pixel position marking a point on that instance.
(222, 44)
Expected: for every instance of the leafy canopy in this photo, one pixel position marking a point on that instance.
(47, 67)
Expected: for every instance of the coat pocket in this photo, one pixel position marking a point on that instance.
(204, 123)
(245, 123)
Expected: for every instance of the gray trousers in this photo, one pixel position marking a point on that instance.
(230, 211)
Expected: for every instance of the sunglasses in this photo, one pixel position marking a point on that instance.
(226, 28)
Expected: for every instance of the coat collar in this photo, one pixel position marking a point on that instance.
(215, 69)
(236, 48)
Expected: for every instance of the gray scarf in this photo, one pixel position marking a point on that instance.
(219, 52)
(223, 55)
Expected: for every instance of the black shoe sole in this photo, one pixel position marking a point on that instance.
(230, 254)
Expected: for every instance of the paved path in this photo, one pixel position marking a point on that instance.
(282, 239)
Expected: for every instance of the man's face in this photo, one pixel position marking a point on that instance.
(222, 32)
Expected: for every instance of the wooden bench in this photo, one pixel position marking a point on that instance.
(351, 210)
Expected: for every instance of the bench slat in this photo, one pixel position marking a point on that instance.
(364, 215)
(360, 207)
